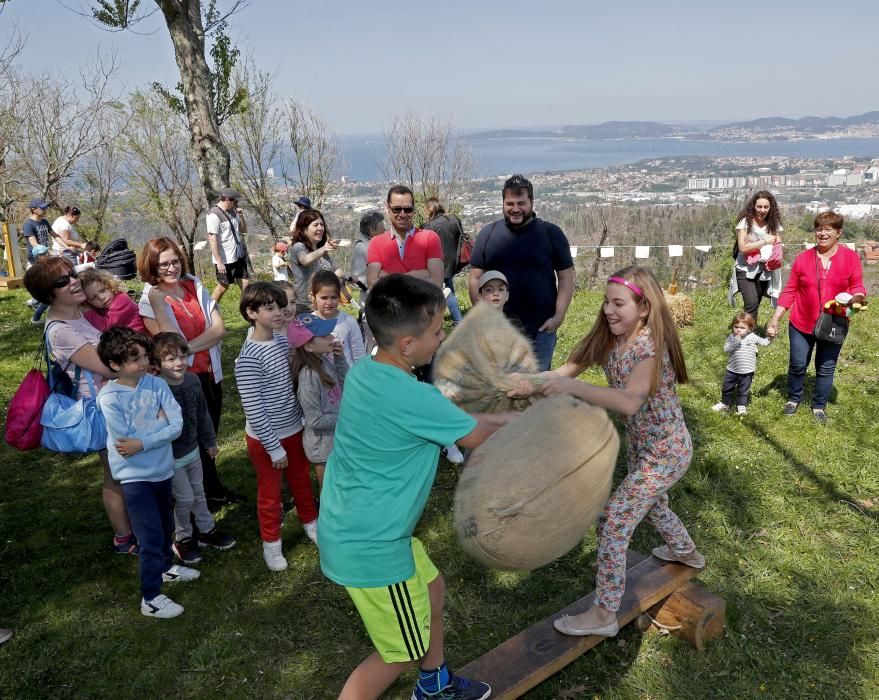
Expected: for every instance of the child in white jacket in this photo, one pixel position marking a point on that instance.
(742, 346)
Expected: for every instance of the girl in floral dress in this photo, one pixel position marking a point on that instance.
(635, 340)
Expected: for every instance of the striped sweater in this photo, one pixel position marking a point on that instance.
(271, 410)
(743, 352)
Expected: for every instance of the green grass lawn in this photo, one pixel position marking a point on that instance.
(785, 510)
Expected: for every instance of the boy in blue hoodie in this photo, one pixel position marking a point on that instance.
(143, 418)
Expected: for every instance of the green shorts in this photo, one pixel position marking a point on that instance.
(397, 617)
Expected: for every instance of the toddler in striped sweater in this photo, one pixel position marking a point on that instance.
(741, 345)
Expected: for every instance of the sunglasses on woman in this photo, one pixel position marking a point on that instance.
(62, 282)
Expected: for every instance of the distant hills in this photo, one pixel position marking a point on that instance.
(767, 128)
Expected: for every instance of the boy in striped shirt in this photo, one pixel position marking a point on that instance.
(273, 419)
(741, 345)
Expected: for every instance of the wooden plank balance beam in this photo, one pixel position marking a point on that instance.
(527, 659)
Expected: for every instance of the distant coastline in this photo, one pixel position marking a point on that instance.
(496, 157)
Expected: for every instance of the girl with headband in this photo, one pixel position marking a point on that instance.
(635, 339)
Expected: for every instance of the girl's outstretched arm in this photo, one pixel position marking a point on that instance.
(626, 401)
(527, 385)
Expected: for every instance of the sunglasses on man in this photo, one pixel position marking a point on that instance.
(402, 210)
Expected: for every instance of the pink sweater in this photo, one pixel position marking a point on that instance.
(800, 294)
(121, 312)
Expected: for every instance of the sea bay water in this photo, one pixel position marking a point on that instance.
(365, 155)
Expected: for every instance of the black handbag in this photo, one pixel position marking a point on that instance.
(829, 328)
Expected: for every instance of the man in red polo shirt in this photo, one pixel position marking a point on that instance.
(410, 251)
(404, 249)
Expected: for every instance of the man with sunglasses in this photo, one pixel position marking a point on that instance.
(226, 227)
(535, 257)
(405, 248)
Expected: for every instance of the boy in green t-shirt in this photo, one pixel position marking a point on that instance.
(378, 479)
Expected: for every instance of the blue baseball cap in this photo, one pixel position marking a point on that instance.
(307, 326)
(37, 203)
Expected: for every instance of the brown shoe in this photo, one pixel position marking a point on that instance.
(694, 559)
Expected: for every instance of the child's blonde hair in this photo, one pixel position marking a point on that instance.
(596, 346)
(90, 275)
(743, 317)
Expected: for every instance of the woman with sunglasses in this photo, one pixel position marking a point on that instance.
(174, 301)
(73, 343)
(310, 252)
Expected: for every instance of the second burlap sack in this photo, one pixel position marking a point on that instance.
(530, 492)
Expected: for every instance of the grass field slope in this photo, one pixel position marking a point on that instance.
(786, 511)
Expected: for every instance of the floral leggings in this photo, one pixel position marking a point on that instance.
(641, 495)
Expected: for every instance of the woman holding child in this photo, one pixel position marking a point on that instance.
(72, 341)
(174, 301)
(760, 225)
(817, 276)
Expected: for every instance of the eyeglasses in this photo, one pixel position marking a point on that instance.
(402, 210)
(62, 282)
(170, 263)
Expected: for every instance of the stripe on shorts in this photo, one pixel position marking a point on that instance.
(406, 621)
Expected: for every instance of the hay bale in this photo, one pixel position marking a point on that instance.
(472, 366)
(683, 311)
(530, 492)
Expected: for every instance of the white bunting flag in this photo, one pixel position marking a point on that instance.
(573, 251)
(703, 248)
(607, 252)
(807, 246)
(675, 251)
(642, 251)
(200, 245)
(852, 246)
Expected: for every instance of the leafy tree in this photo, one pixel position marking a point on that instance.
(189, 24)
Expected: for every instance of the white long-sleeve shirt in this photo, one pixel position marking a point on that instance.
(743, 352)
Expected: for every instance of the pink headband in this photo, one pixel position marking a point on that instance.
(634, 287)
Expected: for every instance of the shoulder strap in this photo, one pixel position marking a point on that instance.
(228, 218)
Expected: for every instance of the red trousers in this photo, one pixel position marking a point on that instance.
(268, 485)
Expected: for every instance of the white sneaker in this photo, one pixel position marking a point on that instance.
(180, 573)
(720, 407)
(311, 530)
(453, 454)
(161, 606)
(274, 556)
(742, 410)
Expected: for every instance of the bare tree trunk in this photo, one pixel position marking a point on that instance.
(184, 21)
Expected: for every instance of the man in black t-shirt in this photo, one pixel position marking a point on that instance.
(536, 258)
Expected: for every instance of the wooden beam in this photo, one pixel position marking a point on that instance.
(533, 655)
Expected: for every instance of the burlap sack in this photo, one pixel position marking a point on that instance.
(472, 366)
(530, 492)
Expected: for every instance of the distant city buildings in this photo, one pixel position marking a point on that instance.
(840, 177)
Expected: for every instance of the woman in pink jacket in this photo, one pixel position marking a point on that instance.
(817, 276)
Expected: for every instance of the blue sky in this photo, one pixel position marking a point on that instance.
(493, 63)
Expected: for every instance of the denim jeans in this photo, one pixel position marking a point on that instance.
(452, 301)
(826, 354)
(544, 347)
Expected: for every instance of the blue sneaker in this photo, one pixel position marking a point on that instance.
(126, 545)
(458, 689)
(187, 551)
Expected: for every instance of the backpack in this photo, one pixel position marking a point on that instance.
(23, 428)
